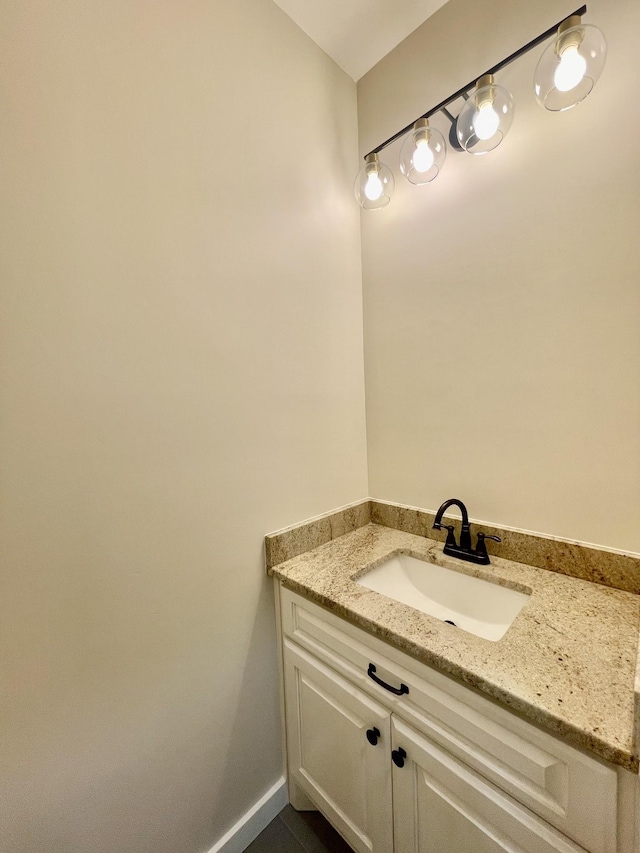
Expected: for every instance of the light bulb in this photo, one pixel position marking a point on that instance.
(423, 156)
(373, 188)
(374, 184)
(486, 117)
(570, 66)
(570, 69)
(486, 121)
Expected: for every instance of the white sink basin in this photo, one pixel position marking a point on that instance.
(478, 606)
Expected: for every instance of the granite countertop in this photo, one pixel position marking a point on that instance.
(567, 662)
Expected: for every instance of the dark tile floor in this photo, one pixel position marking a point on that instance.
(298, 832)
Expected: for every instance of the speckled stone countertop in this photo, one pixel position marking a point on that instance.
(567, 663)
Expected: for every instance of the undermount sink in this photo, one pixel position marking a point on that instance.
(475, 605)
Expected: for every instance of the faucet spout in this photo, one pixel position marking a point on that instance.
(463, 551)
(465, 530)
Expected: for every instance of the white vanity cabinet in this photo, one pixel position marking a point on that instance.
(426, 765)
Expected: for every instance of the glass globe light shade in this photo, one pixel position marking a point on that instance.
(422, 154)
(570, 66)
(374, 184)
(485, 119)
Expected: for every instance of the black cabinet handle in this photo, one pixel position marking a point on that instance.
(398, 756)
(373, 735)
(397, 690)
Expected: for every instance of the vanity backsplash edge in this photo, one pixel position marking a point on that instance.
(587, 562)
(286, 544)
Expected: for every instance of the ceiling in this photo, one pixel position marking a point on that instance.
(358, 33)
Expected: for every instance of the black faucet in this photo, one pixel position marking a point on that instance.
(463, 551)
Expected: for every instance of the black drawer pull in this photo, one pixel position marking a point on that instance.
(397, 690)
(398, 756)
(373, 735)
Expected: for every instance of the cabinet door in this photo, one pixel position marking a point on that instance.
(442, 806)
(330, 725)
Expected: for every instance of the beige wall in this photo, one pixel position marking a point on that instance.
(502, 303)
(181, 373)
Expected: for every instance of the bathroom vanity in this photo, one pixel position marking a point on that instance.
(413, 736)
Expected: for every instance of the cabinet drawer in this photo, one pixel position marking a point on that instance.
(573, 791)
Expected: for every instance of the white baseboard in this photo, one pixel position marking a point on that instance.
(251, 824)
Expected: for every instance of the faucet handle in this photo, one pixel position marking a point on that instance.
(451, 538)
(481, 548)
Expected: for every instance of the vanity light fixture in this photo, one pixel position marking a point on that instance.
(485, 118)
(570, 66)
(422, 154)
(566, 73)
(374, 184)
